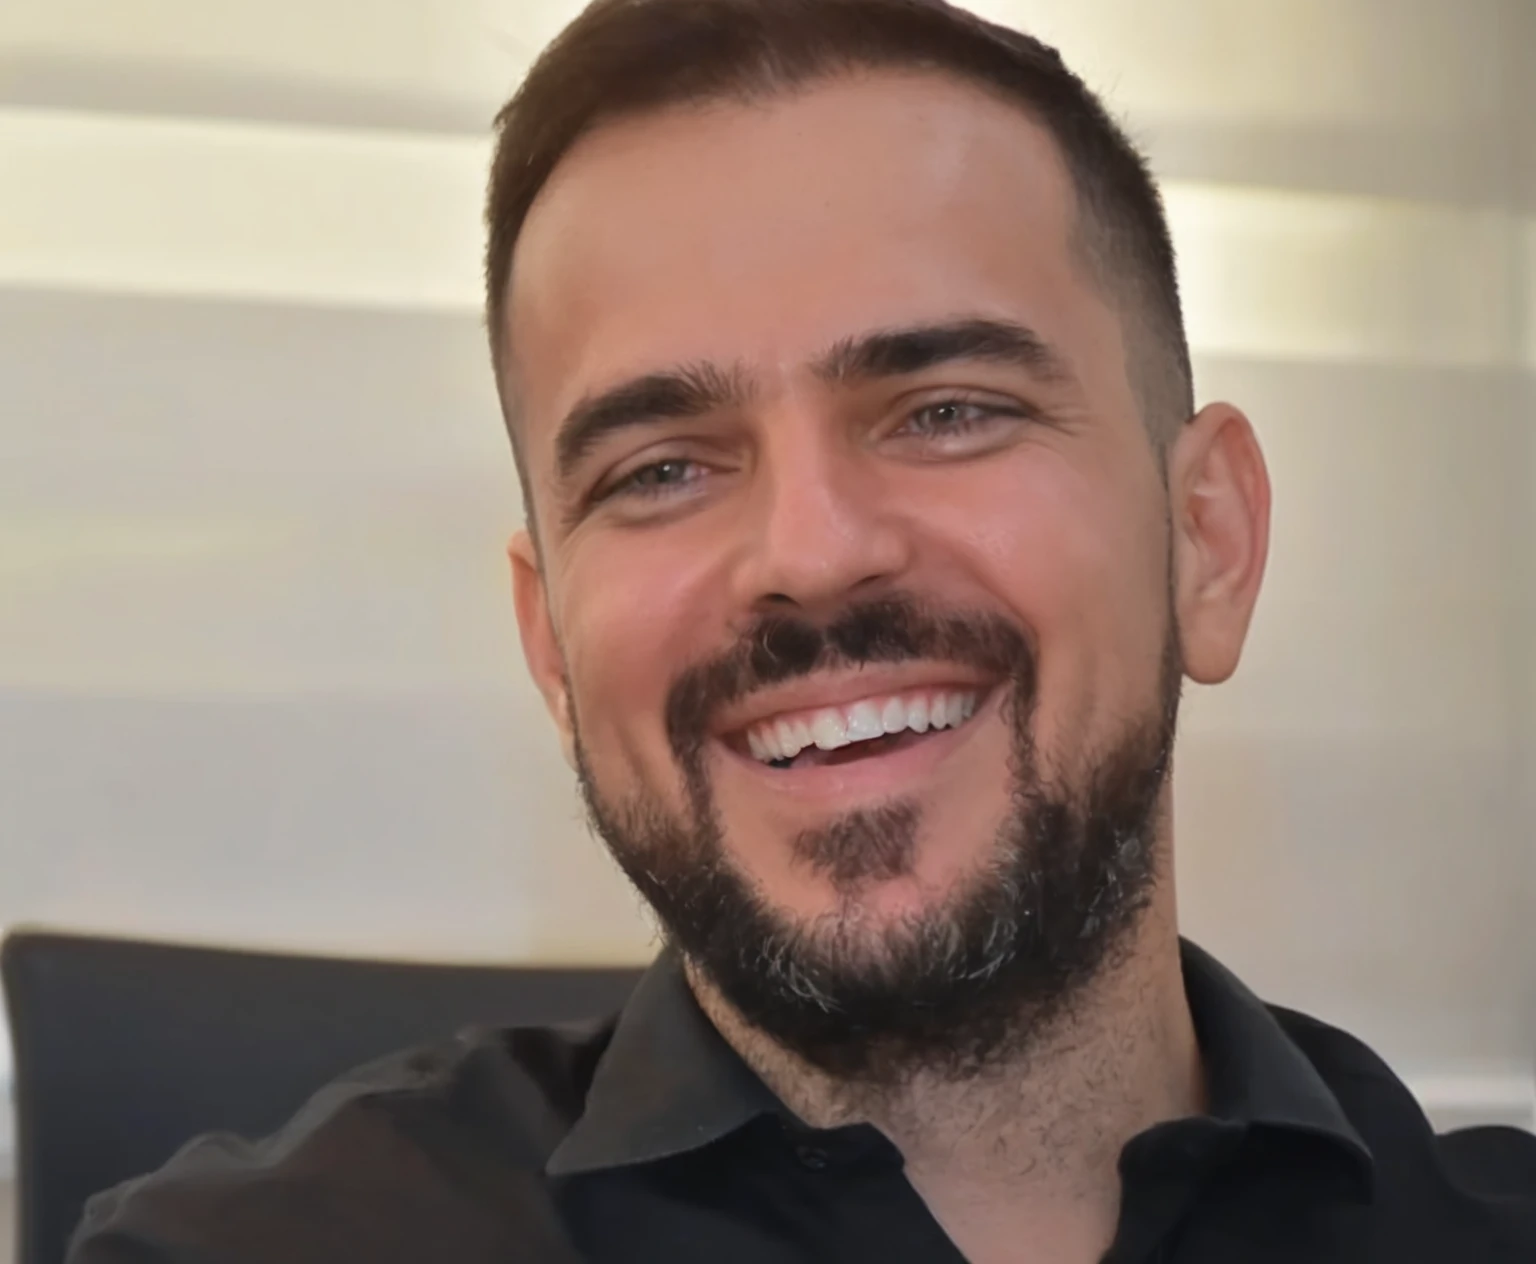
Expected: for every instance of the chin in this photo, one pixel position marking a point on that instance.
(871, 868)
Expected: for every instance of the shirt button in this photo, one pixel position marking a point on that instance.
(813, 1158)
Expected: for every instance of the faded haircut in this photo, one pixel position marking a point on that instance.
(623, 58)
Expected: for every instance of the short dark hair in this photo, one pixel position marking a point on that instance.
(622, 58)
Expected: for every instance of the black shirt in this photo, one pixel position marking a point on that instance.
(646, 1140)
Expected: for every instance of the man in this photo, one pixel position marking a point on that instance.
(872, 530)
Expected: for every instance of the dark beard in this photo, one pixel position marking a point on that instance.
(958, 987)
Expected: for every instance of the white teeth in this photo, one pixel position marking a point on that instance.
(785, 732)
(770, 741)
(829, 730)
(864, 722)
(917, 715)
(834, 727)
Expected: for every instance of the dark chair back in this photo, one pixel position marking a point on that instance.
(126, 1050)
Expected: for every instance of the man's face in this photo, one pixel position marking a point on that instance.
(790, 373)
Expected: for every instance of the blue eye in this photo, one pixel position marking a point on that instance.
(656, 479)
(955, 417)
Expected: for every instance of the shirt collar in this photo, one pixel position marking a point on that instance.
(1254, 1072)
(669, 1083)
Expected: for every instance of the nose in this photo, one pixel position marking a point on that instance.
(823, 529)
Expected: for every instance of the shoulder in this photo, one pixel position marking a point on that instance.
(1373, 1095)
(435, 1153)
(1486, 1175)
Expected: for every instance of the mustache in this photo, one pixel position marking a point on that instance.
(777, 648)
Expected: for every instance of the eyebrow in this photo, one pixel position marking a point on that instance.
(895, 352)
(699, 389)
(691, 391)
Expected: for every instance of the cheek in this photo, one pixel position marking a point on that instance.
(631, 614)
(1078, 555)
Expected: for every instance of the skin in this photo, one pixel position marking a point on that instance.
(757, 238)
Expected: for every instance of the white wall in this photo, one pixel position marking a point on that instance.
(259, 680)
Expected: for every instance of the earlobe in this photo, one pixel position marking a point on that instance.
(541, 645)
(565, 727)
(1220, 500)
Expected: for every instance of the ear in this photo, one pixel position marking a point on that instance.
(541, 647)
(1220, 498)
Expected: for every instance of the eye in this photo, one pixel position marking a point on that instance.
(658, 478)
(955, 417)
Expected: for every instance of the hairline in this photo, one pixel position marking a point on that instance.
(1089, 239)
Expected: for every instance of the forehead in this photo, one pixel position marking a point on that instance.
(758, 235)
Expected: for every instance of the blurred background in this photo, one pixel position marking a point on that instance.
(259, 675)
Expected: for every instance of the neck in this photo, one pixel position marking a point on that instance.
(1030, 1145)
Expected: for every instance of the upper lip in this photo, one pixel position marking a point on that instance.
(834, 689)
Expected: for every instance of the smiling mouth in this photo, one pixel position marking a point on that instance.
(858, 730)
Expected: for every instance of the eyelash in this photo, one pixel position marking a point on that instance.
(988, 411)
(630, 484)
(630, 487)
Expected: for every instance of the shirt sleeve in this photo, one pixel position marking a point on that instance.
(390, 1178)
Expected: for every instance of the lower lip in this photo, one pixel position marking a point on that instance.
(883, 776)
